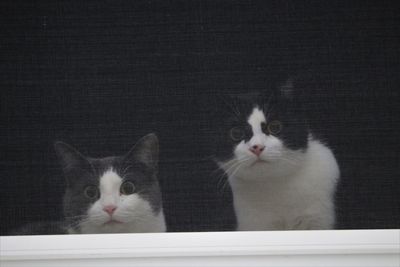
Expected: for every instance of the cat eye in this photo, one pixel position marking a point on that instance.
(237, 133)
(274, 127)
(127, 188)
(91, 192)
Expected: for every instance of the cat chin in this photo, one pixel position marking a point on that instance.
(112, 227)
(113, 222)
(108, 227)
(262, 169)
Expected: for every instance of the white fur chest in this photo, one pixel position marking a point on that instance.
(303, 200)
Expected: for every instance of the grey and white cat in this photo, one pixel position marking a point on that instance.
(113, 194)
(282, 177)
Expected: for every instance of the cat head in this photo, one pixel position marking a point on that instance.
(262, 134)
(111, 194)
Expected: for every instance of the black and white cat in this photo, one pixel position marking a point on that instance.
(281, 176)
(113, 194)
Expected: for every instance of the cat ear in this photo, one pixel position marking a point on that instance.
(145, 151)
(69, 157)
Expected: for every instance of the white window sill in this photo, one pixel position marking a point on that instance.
(292, 248)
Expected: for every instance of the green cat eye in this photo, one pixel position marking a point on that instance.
(274, 127)
(127, 188)
(237, 133)
(91, 192)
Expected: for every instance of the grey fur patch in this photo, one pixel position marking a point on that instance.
(139, 165)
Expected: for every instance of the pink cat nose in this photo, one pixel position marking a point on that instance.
(110, 209)
(257, 149)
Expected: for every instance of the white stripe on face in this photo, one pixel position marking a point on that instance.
(255, 119)
(110, 183)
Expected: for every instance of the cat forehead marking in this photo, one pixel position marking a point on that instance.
(255, 119)
(110, 182)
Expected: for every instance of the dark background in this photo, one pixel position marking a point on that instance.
(101, 74)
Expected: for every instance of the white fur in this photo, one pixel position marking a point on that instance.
(133, 213)
(282, 189)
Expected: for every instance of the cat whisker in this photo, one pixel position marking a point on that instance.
(225, 171)
(233, 161)
(236, 170)
(221, 180)
(221, 167)
(239, 166)
(237, 163)
(235, 167)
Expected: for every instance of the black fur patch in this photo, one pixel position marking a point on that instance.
(283, 106)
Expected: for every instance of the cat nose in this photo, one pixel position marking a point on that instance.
(110, 209)
(257, 149)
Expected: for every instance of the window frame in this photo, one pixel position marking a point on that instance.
(277, 248)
